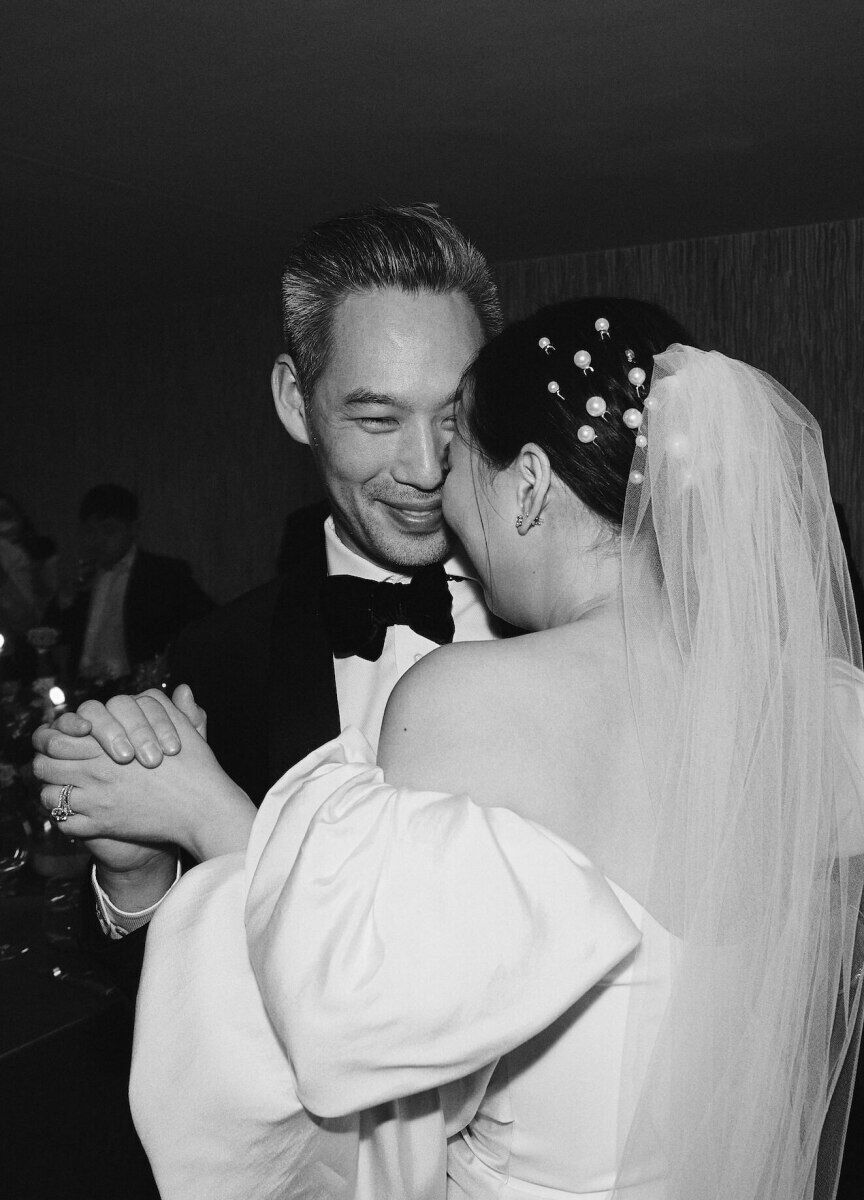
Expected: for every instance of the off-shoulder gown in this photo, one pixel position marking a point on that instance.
(397, 995)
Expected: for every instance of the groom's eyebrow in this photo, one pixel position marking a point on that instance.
(362, 396)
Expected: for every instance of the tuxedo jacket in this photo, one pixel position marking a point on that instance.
(262, 668)
(161, 599)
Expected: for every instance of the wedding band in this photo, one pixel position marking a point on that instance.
(63, 810)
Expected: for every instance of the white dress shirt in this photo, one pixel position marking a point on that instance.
(104, 653)
(362, 687)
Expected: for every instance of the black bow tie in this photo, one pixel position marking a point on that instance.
(358, 611)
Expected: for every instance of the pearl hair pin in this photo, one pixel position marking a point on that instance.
(637, 377)
(596, 405)
(632, 418)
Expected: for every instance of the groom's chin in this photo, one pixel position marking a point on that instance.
(407, 551)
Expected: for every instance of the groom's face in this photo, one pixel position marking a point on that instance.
(381, 418)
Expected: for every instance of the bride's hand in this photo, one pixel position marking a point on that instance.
(130, 727)
(189, 801)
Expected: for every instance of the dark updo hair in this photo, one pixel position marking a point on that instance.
(505, 400)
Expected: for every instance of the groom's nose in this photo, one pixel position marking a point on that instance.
(421, 458)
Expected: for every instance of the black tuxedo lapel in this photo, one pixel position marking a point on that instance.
(303, 708)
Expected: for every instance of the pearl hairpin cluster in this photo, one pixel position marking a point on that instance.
(596, 405)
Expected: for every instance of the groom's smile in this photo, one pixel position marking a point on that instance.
(381, 418)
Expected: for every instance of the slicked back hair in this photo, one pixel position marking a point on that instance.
(412, 248)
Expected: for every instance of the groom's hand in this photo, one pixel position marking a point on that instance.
(134, 877)
(130, 727)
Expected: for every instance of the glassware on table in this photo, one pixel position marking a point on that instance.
(14, 830)
(59, 910)
(14, 852)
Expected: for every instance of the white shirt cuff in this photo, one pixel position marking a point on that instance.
(114, 921)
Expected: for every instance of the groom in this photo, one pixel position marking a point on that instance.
(382, 312)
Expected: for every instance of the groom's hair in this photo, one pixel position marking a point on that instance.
(412, 248)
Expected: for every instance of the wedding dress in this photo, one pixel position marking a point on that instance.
(395, 943)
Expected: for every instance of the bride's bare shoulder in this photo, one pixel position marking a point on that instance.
(458, 702)
(454, 674)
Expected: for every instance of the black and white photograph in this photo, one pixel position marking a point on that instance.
(431, 535)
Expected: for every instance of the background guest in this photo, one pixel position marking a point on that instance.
(130, 604)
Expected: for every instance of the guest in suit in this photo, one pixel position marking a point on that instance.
(382, 312)
(130, 604)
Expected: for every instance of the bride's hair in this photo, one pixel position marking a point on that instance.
(509, 402)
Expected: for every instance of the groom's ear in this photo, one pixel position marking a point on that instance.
(533, 481)
(290, 405)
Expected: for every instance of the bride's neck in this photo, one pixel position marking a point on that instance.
(583, 588)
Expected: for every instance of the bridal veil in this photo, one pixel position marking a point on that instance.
(750, 726)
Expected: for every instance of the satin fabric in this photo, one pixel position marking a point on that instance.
(395, 943)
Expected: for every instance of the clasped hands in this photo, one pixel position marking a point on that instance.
(143, 779)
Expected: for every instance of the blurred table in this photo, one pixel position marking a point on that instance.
(65, 1039)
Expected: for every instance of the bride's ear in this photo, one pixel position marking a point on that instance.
(533, 480)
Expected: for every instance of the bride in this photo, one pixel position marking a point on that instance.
(413, 965)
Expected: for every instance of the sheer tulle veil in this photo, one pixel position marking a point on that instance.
(749, 716)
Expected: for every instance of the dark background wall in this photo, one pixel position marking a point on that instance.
(173, 400)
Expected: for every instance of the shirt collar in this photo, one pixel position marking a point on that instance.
(343, 561)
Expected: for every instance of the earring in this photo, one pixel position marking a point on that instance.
(536, 521)
(519, 521)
